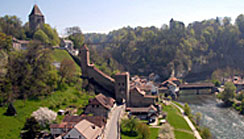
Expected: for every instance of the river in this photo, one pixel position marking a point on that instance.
(224, 123)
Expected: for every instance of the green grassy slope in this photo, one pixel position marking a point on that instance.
(153, 134)
(59, 55)
(175, 119)
(10, 126)
(183, 135)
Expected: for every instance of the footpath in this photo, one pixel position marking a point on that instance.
(196, 133)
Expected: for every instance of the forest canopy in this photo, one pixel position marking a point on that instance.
(190, 52)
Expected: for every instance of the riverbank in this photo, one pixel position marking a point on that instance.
(179, 125)
(196, 133)
(224, 123)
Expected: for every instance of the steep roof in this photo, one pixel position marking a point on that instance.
(36, 11)
(142, 109)
(105, 101)
(87, 129)
(97, 120)
(138, 90)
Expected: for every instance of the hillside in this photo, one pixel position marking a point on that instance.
(190, 52)
(11, 126)
(59, 55)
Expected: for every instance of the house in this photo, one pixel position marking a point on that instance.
(19, 44)
(238, 82)
(144, 113)
(147, 86)
(100, 105)
(84, 130)
(69, 123)
(173, 87)
(67, 44)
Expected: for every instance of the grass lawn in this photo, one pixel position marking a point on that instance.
(175, 119)
(178, 104)
(183, 135)
(10, 126)
(153, 134)
(59, 55)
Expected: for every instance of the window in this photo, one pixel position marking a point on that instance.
(119, 84)
(123, 84)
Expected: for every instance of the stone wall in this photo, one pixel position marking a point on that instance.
(139, 99)
(97, 110)
(100, 78)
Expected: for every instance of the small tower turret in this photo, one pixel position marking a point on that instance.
(85, 60)
(122, 87)
(36, 18)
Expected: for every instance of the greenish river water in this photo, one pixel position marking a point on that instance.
(224, 123)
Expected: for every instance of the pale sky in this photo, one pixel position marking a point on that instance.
(103, 16)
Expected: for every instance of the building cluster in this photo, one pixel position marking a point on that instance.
(90, 125)
(139, 95)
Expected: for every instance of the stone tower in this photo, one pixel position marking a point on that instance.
(85, 60)
(36, 18)
(122, 87)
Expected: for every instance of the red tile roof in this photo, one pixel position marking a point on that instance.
(105, 101)
(70, 121)
(67, 125)
(141, 109)
(136, 89)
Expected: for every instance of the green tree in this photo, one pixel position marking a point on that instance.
(30, 72)
(240, 23)
(31, 129)
(143, 131)
(76, 36)
(216, 83)
(129, 125)
(242, 106)
(205, 133)
(229, 93)
(187, 110)
(5, 42)
(41, 36)
(52, 34)
(12, 25)
(198, 117)
(67, 70)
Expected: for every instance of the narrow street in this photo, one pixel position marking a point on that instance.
(112, 130)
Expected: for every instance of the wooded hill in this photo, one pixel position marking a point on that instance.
(192, 52)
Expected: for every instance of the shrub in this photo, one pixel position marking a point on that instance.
(143, 130)
(205, 133)
(44, 116)
(187, 109)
